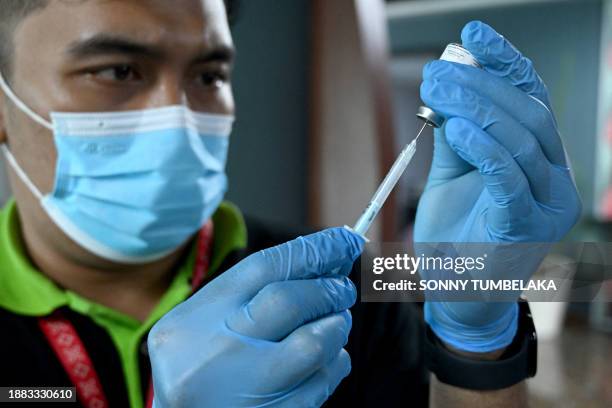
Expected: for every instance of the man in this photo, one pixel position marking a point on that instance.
(115, 117)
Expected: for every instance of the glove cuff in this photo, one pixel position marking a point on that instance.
(475, 339)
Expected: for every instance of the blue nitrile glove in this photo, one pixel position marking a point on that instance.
(268, 332)
(499, 175)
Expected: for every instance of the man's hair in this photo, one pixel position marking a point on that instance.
(13, 11)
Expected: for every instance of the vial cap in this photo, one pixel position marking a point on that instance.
(429, 116)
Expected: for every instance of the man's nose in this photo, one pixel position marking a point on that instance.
(168, 91)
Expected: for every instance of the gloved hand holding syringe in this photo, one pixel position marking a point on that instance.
(454, 53)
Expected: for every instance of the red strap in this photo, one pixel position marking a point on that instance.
(69, 348)
(202, 261)
(150, 394)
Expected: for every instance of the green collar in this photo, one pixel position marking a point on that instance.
(23, 289)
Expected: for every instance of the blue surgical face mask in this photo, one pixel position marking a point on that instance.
(132, 186)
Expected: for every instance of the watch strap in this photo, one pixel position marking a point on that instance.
(517, 363)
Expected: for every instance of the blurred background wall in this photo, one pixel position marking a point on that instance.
(268, 154)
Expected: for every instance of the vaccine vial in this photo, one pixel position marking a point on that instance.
(453, 53)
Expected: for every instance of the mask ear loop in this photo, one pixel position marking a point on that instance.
(7, 153)
(22, 106)
(20, 173)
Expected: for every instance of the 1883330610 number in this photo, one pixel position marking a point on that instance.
(37, 394)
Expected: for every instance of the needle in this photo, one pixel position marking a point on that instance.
(420, 131)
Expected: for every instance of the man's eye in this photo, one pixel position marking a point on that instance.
(213, 79)
(119, 73)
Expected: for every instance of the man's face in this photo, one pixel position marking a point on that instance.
(110, 55)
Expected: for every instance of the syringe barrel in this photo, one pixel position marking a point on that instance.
(396, 171)
(385, 188)
(363, 223)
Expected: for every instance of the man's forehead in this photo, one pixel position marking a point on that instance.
(178, 22)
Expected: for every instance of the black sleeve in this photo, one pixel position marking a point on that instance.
(386, 349)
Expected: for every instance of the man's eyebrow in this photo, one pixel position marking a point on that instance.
(104, 44)
(107, 44)
(221, 53)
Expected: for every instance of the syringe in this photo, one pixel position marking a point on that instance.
(380, 196)
(453, 53)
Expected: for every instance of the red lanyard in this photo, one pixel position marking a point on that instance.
(69, 349)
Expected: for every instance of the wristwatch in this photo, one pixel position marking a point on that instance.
(518, 362)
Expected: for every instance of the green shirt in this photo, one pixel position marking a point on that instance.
(25, 290)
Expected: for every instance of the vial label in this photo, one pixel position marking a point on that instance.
(453, 53)
(456, 53)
